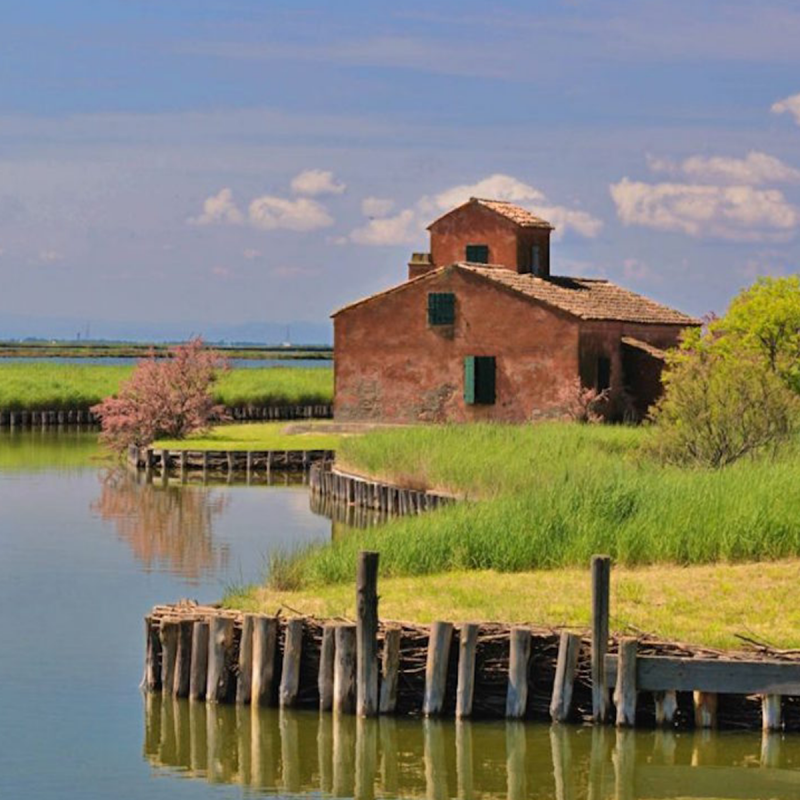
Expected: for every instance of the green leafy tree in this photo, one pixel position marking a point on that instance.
(765, 319)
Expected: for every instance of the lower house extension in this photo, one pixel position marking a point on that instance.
(482, 331)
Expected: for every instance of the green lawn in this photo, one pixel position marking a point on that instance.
(50, 386)
(548, 496)
(706, 605)
(258, 436)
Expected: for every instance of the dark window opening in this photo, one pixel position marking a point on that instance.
(441, 308)
(478, 253)
(603, 373)
(479, 380)
(536, 259)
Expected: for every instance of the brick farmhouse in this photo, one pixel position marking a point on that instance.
(482, 331)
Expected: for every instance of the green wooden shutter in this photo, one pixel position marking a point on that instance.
(469, 380)
(441, 308)
(477, 253)
(485, 370)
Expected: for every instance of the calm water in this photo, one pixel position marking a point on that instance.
(85, 551)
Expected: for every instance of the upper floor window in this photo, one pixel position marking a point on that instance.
(478, 253)
(441, 308)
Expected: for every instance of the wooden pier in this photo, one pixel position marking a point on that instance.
(326, 481)
(225, 462)
(370, 668)
(39, 418)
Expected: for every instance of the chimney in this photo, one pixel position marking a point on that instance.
(419, 264)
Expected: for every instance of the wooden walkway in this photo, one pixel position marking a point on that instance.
(225, 462)
(369, 667)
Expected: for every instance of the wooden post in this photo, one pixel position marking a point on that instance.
(327, 654)
(367, 634)
(169, 653)
(625, 692)
(518, 658)
(705, 709)
(344, 671)
(771, 712)
(436, 667)
(290, 673)
(220, 656)
(465, 689)
(265, 642)
(152, 663)
(666, 707)
(390, 671)
(568, 650)
(244, 678)
(183, 659)
(601, 592)
(198, 673)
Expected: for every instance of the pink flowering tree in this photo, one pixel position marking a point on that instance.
(581, 403)
(165, 397)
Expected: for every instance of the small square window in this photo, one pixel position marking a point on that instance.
(479, 380)
(441, 308)
(478, 253)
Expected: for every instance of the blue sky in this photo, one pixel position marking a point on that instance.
(190, 166)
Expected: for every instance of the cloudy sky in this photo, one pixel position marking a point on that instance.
(207, 163)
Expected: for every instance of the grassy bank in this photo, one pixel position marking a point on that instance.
(47, 386)
(706, 605)
(258, 436)
(549, 496)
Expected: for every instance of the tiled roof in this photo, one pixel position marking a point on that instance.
(645, 347)
(517, 214)
(585, 298)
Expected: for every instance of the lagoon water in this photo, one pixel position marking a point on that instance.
(86, 550)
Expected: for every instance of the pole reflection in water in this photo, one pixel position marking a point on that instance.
(301, 753)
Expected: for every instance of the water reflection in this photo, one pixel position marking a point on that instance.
(304, 752)
(166, 526)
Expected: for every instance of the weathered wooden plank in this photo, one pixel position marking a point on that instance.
(326, 660)
(390, 671)
(601, 592)
(771, 712)
(198, 673)
(344, 672)
(152, 664)
(626, 685)
(436, 667)
(183, 659)
(465, 689)
(244, 678)
(220, 659)
(265, 643)
(169, 653)
(367, 634)
(662, 673)
(566, 667)
(290, 672)
(666, 707)
(518, 658)
(705, 709)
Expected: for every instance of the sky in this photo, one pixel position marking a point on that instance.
(231, 167)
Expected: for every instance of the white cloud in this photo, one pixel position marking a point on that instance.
(789, 105)
(754, 169)
(728, 212)
(403, 228)
(271, 213)
(376, 206)
(250, 254)
(408, 226)
(315, 182)
(219, 208)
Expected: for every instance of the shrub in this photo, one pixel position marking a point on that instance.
(581, 403)
(168, 398)
(717, 408)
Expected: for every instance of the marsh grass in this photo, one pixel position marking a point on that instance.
(46, 386)
(257, 436)
(549, 496)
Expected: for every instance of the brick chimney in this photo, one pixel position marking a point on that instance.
(419, 264)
